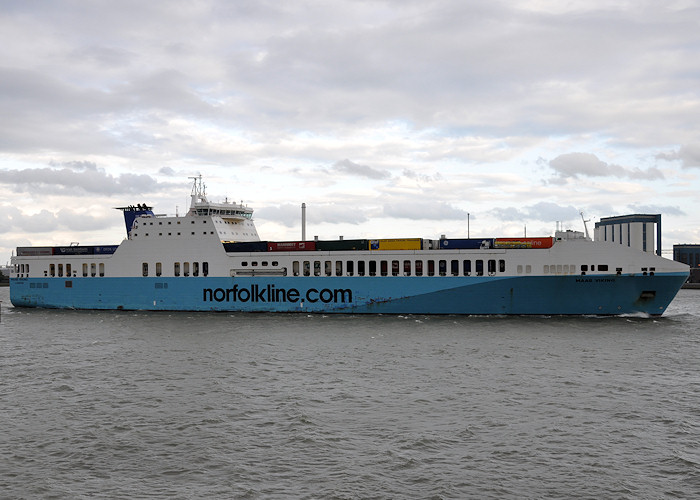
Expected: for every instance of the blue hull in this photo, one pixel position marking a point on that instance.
(571, 294)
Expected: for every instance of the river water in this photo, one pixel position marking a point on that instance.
(218, 405)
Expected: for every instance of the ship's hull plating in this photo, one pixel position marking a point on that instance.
(572, 294)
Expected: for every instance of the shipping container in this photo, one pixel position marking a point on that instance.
(290, 246)
(337, 245)
(397, 244)
(524, 242)
(73, 250)
(246, 246)
(34, 251)
(466, 243)
(110, 249)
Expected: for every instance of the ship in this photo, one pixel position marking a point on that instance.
(212, 259)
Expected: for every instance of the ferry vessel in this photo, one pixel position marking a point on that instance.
(212, 259)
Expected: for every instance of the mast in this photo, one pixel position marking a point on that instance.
(198, 193)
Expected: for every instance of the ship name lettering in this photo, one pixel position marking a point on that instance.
(270, 293)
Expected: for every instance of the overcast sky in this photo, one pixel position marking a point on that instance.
(387, 118)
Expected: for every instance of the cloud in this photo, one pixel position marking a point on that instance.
(423, 209)
(348, 167)
(422, 177)
(69, 182)
(656, 209)
(573, 165)
(688, 154)
(47, 221)
(75, 165)
(543, 211)
(316, 213)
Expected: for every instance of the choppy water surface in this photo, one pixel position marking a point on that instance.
(183, 405)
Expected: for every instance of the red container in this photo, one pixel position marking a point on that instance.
(524, 242)
(290, 246)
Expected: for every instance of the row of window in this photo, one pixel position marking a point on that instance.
(160, 223)
(408, 267)
(179, 268)
(338, 268)
(93, 269)
(398, 268)
(179, 234)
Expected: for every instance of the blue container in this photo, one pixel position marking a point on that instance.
(110, 249)
(466, 243)
(246, 246)
(73, 250)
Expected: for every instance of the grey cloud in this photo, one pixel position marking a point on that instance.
(68, 182)
(106, 57)
(47, 221)
(75, 165)
(656, 209)
(543, 211)
(290, 215)
(272, 68)
(422, 177)
(688, 154)
(572, 165)
(348, 167)
(422, 209)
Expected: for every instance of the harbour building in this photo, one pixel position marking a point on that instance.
(689, 254)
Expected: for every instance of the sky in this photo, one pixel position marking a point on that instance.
(388, 119)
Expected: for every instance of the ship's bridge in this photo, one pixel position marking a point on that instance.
(233, 221)
(200, 205)
(224, 210)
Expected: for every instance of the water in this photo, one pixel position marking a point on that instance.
(184, 405)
